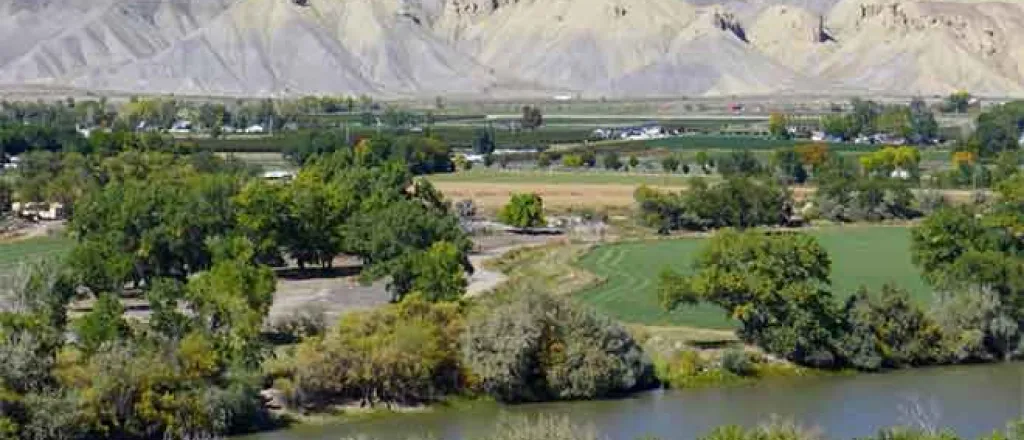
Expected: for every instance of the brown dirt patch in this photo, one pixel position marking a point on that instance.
(557, 196)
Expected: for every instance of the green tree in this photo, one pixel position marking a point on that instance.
(786, 162)
(923, 126)
(739, 163)
(105, 323)
(231, 301)
(781, 303)
(957, 102)
(265, 216)
(523, 211)
(484, 142)
(999, 129)
(1007, 165)
(634, 162)
(438, 273)
(532, 118)
(670, 164)
(544, 160)
(611, 161)
(703, 159)
(777, 125)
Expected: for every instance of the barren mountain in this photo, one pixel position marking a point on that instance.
(612, 48)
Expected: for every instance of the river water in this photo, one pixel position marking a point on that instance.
(971, 400)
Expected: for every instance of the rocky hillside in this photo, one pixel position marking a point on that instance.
(610, 48)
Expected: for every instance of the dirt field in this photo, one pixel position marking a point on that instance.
(559, 197)
(339, 291)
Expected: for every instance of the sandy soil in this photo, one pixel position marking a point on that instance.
(557, 197)
(338, 292)
(492, 196)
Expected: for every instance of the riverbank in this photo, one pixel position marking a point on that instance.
(969, 400)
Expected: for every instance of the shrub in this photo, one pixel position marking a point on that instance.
(465, 209)
(543, 427)
(302, 323)
(774, 430)
(738, 362)
(523, 211)
(572, 161)
(538, 348)
(544, 160)
(670, 164)
(404, 353)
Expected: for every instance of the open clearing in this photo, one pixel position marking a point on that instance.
(560, 191)
(561, 177)
(14, 253)
(490, 197)
(868, 256)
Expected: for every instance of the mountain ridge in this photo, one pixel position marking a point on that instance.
(501, 48)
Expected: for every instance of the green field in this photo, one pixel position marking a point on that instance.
(24, 251)
(861, 256)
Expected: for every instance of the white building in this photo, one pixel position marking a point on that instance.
(181, 127)
(279, 175)
(254, 129)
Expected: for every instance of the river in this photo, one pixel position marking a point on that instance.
(971, 400)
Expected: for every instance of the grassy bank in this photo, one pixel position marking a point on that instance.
(861, 256)
(18, 252)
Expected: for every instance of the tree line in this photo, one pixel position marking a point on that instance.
(784, 304)
(197, 239)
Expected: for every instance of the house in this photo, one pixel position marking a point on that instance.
(254, 129)
(39, 211)
(1021, 140)
(475, 158)
(900, 173)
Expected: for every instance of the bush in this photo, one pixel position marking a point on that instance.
(304, 322)
(931, 201)
(670, 164)
(775, 430)
(523, 211)
(403, 353)
(539, 348)
(543, 427)
(738, 362)
(465, 209)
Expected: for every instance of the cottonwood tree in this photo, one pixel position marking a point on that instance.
(523, 211)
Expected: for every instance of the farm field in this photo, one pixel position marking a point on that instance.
(490, 197)
(535, 176)
(561, 191)
(868, 256)
(15, 253)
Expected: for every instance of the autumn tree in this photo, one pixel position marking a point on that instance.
(777, 125)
